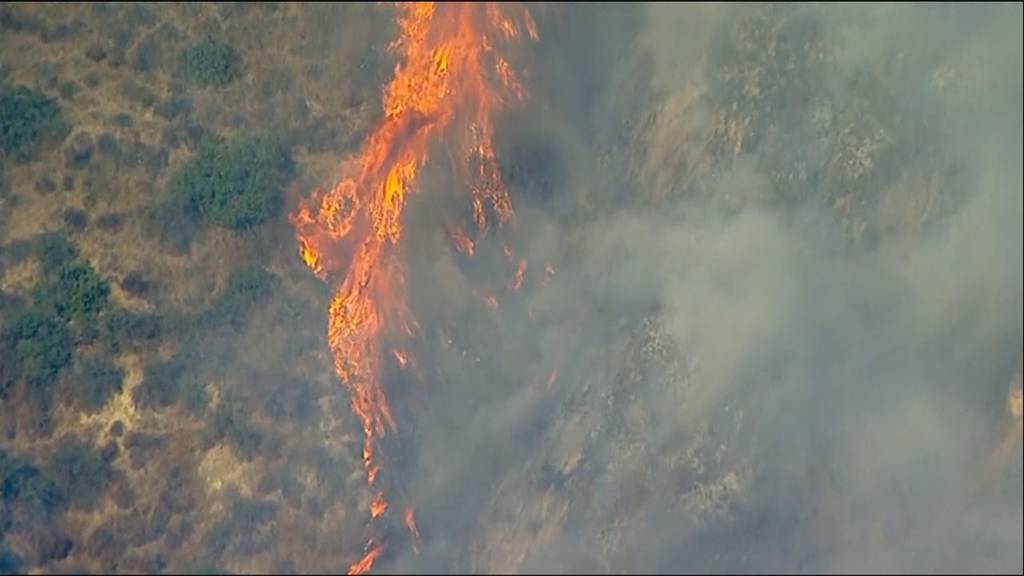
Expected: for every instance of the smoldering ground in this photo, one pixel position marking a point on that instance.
(808, 402)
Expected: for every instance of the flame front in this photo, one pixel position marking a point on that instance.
(449, 82)
(366, 562)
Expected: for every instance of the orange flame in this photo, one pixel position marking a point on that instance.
(491, 301)
(461, 241)
(517, 281)
(364, 564)
(410, 523)
(552, 378)
(449, 82)
(378, 506)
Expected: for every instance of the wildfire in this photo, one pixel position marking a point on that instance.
(378, 506)
(410, 523)
(449, 82)
(461, 241)
(517, 281)
(552, 378)
(364, 564)
(491, 301)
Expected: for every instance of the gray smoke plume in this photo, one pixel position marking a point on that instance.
(767, 359)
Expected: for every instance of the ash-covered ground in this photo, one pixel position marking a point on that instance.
(782, 333)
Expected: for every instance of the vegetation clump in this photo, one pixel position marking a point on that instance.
(125, 330)
(23, 483)
(79, 473)
(247, 285)
(54, 250)
(27, 118)
(75, 292)
(36, 346)
(236, 184)
(211, 62)
(96, 380)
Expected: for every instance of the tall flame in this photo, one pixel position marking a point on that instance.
(449, 82)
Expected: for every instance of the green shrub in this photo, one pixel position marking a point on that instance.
(79, 473)
(125, 330)
(27, 118)
(54, 250)
(36, 346)
(237, 183)
(161, 384)
(210, 62)
(96, 379)
(22, 482)
(247, 285)
(75, 292)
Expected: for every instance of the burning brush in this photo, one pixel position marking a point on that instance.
(450, 81)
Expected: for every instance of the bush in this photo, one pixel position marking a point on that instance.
(247, 285)
(237, 184)
(161, 384)
(96, 379)
(27, 118)
(229, 422)
(124, 330)
(37, 345)
(75, 292)
(24, 483)
(210, 62)
(10, 563)
(142, 448)
(193, 396)
(54, 250)
(241, 529)
(79, 473)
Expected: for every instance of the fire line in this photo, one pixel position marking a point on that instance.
(450, 80)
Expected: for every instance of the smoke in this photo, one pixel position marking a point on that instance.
(745, 381)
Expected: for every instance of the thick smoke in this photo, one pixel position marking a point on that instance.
(740, 385)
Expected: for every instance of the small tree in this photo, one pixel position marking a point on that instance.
(79, 473)
(237, 184)
(36, 345)
(211, 62)
(75, 292)
(27, 119)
